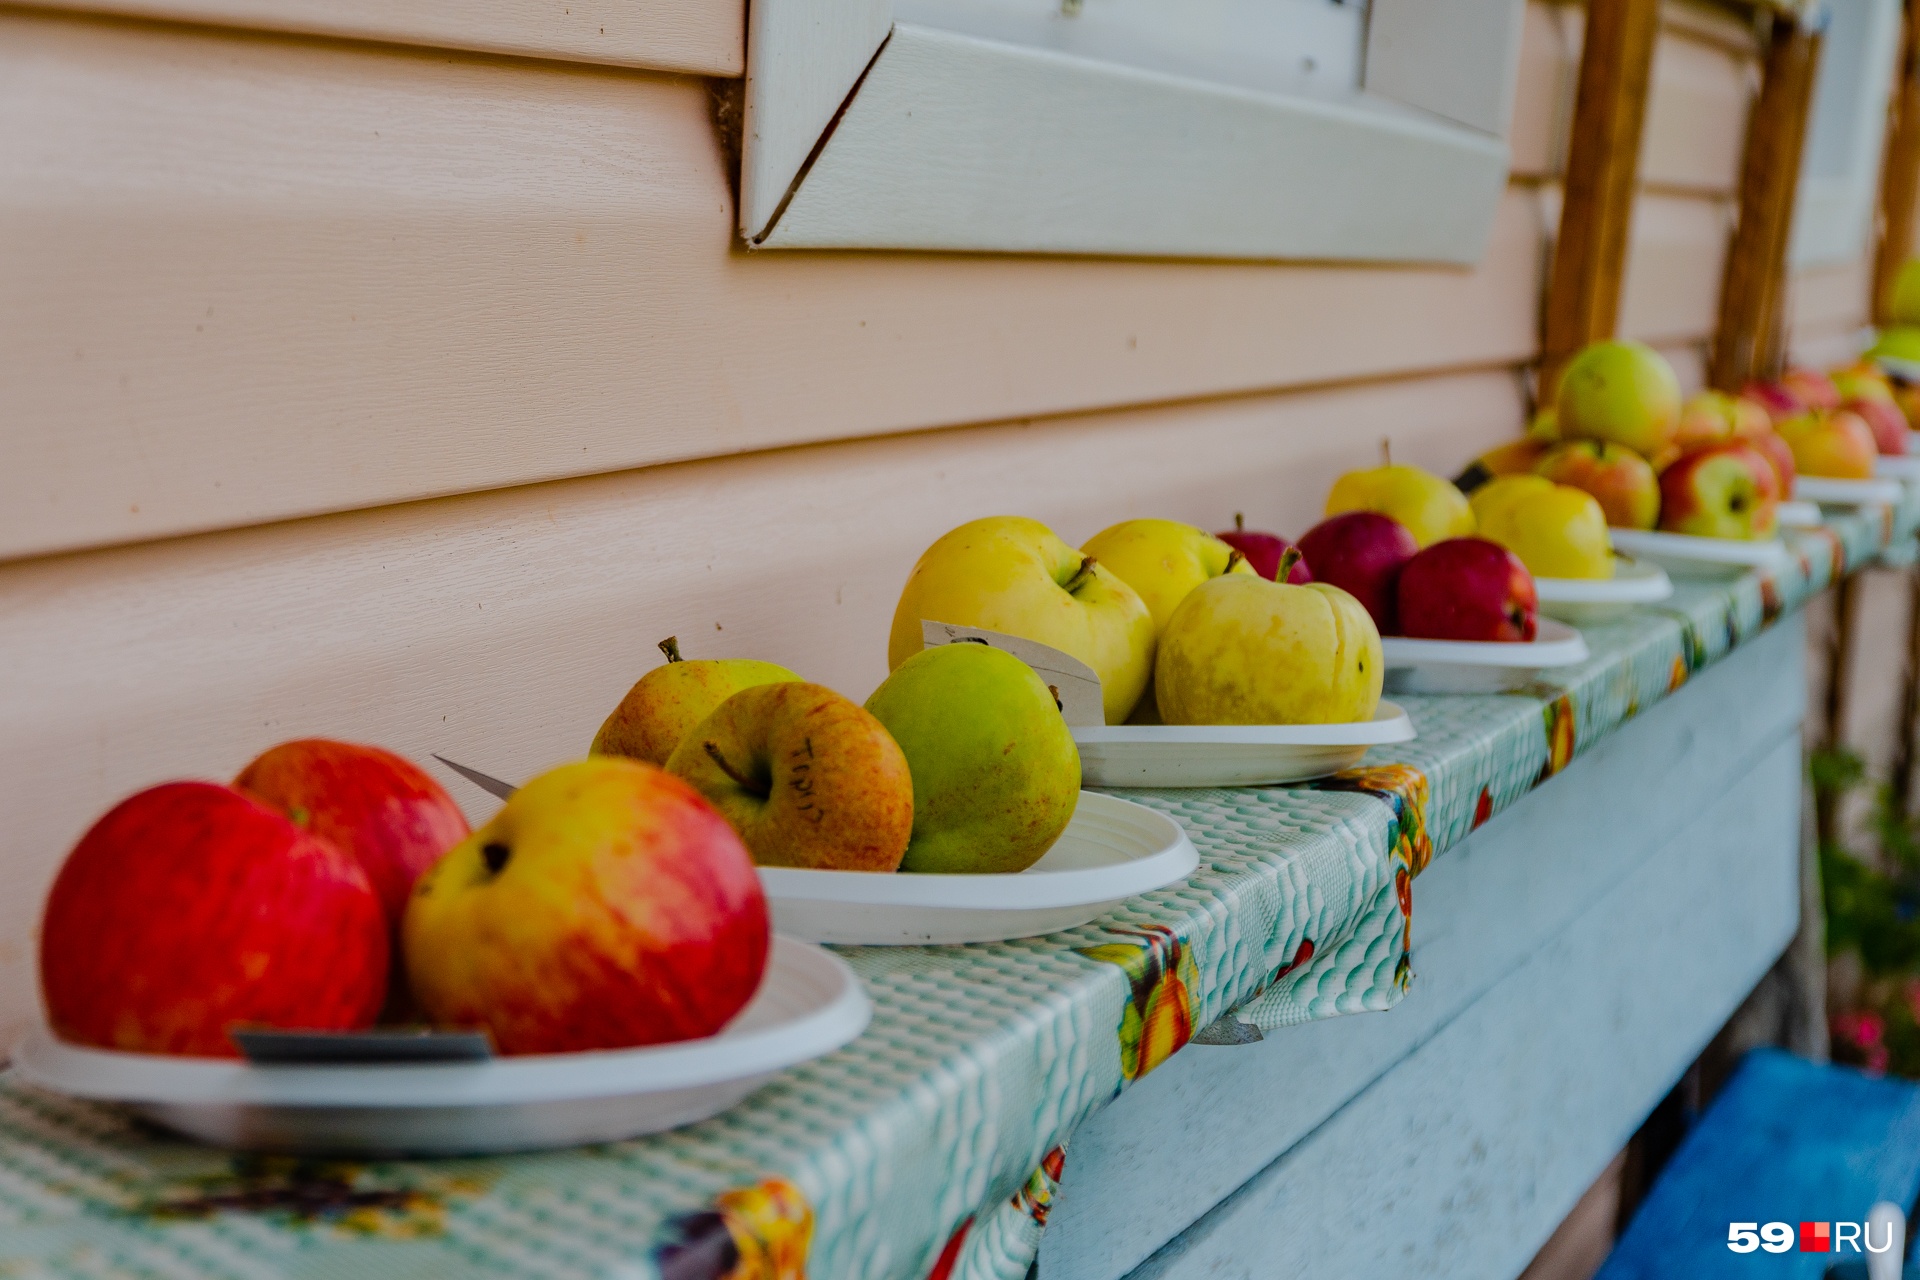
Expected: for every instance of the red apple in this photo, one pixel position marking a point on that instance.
(1811, 388)
(607, 905)
(1361, 552)
(190, 908)
(1777, 451)
(1263, 551)
(1728, 491)
(1467, 589)
(1884, 419)
(382, 809)
(1779, 400)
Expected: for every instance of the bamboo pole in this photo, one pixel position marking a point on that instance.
(1602, 176)
(1900, 168)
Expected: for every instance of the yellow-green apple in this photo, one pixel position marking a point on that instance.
(190, 909)
(1468, 589)
(1362, 553)
(1430, 508)
(606, 906)
(1837, 444)
(1162, 560)
(1620, 480)
(1015, 576)
(1544, 425)
(1726, 491)
(996, 774)
(808, 778)
(1623, 392)
(1897, 342)
(1263, 551)
(1903, 295)
(1516, 457)
(669, 700)
(378, 807)
(1556, 530)
(1811, 388)
(1248, 651)
(1861, 380)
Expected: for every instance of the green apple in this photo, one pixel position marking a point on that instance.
(806, 777)
(1625, 392)
(996, 774)
(1016, 576)
(672, 698)
(1247, 651)
(1163, 560)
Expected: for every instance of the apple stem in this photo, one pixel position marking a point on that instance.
(1386, 451)
(1239, 522)
(753, 785)
(1080, 576)
(1288, 558)
(1234, 558)
(671, 647)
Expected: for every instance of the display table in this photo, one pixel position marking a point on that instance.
(1568, 960)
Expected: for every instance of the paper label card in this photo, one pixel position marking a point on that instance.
(1075, 686)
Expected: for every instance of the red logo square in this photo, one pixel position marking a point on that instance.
(1816, 1237)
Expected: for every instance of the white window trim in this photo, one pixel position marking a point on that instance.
(1833, 214)
(862, 132)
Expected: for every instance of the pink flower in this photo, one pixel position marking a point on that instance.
(1863, 1029)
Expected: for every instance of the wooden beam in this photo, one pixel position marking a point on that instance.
(1603, 164)
(1750, 342)
(1900, 171)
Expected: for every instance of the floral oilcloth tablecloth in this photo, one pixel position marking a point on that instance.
(930, 1147)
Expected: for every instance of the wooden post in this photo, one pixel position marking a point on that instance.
(1751, 340)
(1900, 170)
(1901, 780)
(1603, 170)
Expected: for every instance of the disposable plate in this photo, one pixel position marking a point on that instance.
(809, 1004)
(1591, 599)
(1905, 467)
(1799, 515)
(1112, 850)
(1230, 755)
(1905, 370)
(1688, 556)
(1847, 493)
(1479, 666)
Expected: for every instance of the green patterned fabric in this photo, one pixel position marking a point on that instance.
(931, 1147)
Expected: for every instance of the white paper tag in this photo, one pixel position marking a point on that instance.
(1075, 686)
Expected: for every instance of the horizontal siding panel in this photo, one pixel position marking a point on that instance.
(1696, 121)
(254, 280)
(499, 629)
(1543, 93)
(1826, 299)
(701, 37)
(1675, 261)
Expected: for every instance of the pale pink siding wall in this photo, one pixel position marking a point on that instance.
(280, 294)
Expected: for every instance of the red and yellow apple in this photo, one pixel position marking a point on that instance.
(1775, 450)
(1713, 417)
(1885, 420)
(807, 777)
(1837, 445)
(1622, 392)
(1516, 457)
(1015, 576)
(606, 906)
(1811, 388)
(1468, 589)
(1620, 480)
(669, 700)
(190, 909)
(1726, 491)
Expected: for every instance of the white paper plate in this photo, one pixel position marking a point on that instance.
(1846, 493)
(1112, 850)
(1230, 755)
(809, 1004)
(1906, 370)
(1913, 443)
(1905, 468)
(1688, 556)
(1800, 515)
(1479, 666)
(1591, 599)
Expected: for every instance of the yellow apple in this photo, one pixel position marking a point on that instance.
(606, 906)
(808, 778)
(996, 774)
(1625, 392)
(1431, 508)
(1016, 576)
(1242, 650)
(1162, 560)
(1557, 531)
(672, 698)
